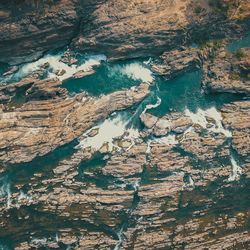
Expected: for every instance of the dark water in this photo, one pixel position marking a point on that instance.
(242, 43)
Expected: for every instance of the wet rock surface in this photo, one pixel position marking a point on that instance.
(236, 118)
(29, 29)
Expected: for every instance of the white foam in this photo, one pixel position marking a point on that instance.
(197, 118)
(168, 140)
(148, 62)
(56, 65)
(148, 151)
(152, 106)
(236, 170)
(37, 241)
(190, 181)
(135, 71)
(8, 196)
(136, 185)
(24, 196)
(5, 191)
(120, 237)
(200, 118)
(110, 129)
(57, 237)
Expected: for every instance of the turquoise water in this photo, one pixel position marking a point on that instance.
(242, 43)
(109, 77)
(186, 92)
(176, 95)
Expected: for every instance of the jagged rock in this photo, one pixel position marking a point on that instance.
(83, 73)
(40, 26)
(205, 146)
(40, 126)
(115, 28)
(128, 164)
(93, 132)
(236, 118)
(175, 122)
(167, 189)
(227, 72)
(171, 64)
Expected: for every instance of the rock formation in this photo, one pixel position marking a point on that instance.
(75, 175)
(50, 121)
(228, 72)
(116, 28)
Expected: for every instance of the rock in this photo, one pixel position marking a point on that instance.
(35, 32)
(205, 146)
(124, 143)
(93, 132)
(50, 123)
(148, 120)
(153, 196)
(104, 148)
(115, 28)
(236, 118)
(60, 72)
(11, 71)
(168, 188)
(128, 164)
(83, 73)
(228, 74)
(175, 122)
(175, 62)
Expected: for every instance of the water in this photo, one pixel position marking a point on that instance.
(110, 77)
(111, 128)
(236, 170)
(54, 67)
(183, 94)
(200, 118)
(5, 191)
(242, 43)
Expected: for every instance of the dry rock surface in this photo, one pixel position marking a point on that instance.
(176, 181)
(228, 72)
(116, 28)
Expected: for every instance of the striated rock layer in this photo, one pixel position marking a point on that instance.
(70, 181)
(43, 125)
(120, 29)
(157, 194)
